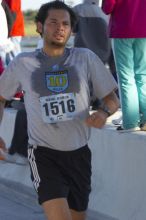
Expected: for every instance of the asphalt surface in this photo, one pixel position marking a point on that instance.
(19, 202)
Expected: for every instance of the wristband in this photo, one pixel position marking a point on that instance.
(106, 110)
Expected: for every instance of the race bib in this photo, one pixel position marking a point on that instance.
(55, 108)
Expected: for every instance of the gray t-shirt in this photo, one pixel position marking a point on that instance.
(57, 94)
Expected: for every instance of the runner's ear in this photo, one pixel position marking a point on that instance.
(39, 27)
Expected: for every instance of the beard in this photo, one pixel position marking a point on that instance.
(58, 44)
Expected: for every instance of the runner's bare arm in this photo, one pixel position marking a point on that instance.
(110, 106)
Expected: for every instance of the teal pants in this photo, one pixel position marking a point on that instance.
(130, 58)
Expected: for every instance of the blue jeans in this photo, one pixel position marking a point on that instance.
(130, 58)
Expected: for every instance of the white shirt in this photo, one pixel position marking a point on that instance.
(5, 43)
(4, 26)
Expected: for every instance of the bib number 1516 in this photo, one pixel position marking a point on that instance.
(59, 107)
(56, 107)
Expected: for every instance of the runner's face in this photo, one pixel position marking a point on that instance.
(57, 28)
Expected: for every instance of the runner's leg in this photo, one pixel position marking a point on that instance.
(57, 209)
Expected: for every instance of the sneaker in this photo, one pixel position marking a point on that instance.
(143, 127)
(121, 129)
(15, 158)
(117, 121)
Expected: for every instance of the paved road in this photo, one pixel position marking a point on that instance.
(19, 202)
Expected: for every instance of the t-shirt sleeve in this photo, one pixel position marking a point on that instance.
(9, 80)
(101, 79)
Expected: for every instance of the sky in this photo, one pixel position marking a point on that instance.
(35, 4)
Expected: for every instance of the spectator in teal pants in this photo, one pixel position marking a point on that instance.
(127, 28)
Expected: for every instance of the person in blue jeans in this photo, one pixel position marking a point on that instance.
(127, 28)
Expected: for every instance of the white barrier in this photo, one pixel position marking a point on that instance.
(119, 173)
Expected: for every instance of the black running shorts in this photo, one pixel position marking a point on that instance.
(62, 174)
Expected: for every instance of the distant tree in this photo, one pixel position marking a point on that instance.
(29, 15)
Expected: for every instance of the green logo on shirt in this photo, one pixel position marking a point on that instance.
(57, 81)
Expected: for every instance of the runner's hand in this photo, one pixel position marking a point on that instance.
(96, 119)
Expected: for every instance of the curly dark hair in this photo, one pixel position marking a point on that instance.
(44, 9)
